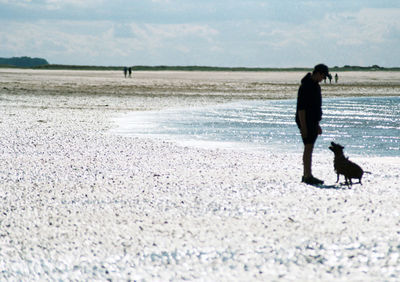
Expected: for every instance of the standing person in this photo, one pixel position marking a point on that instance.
(308, 116)
(336, 78)
(125, 71)
(130, 71)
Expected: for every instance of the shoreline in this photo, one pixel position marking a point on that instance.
(80, 203)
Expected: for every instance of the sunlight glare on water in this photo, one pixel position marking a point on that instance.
(366, 126)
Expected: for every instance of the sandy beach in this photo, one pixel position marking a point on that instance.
(79, 202)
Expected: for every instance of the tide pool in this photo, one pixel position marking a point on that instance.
(367, 126)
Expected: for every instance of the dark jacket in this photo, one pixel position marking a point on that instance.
(309, 99)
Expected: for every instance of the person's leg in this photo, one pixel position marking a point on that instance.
(307, 159)
(307, 165)
(307, 156)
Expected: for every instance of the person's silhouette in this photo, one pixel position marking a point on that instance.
(308, 116)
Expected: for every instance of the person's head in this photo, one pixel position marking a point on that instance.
(321, 72)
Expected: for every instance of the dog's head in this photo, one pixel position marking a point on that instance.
(337, 149)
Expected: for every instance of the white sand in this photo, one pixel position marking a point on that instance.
(79, 202)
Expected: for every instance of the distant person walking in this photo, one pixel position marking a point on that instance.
(130, 72)
(308, 116)
(125, 71)
(336, 78)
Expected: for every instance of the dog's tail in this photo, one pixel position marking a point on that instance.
(367, 172)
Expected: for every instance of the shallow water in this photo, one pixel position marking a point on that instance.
(365, 126)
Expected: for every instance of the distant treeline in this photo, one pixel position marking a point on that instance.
(164, 68)
(38, 63)
(24, 62)
(206, 68)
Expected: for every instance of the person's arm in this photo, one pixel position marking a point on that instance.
(303, 124)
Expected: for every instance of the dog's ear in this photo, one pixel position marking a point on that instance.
(333, 143)
(342, 147)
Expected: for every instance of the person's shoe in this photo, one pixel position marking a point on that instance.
(312, 180)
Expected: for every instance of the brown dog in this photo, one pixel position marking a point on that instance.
(343, 166)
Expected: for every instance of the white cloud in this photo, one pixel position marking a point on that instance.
(14, 1)
(368, 26)
(53, 4)
(159, 35)
(269, 41)
(61, 4)
(95, 41)
(19, 3)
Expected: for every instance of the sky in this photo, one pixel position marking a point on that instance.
(224, 33)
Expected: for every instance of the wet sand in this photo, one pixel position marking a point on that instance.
(79, 202)
(154, 90)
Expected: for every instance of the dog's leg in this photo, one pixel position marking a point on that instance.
(337, 180)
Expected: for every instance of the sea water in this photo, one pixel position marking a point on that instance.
(366, 126)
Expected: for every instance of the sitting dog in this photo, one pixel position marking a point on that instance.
(343, 166)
